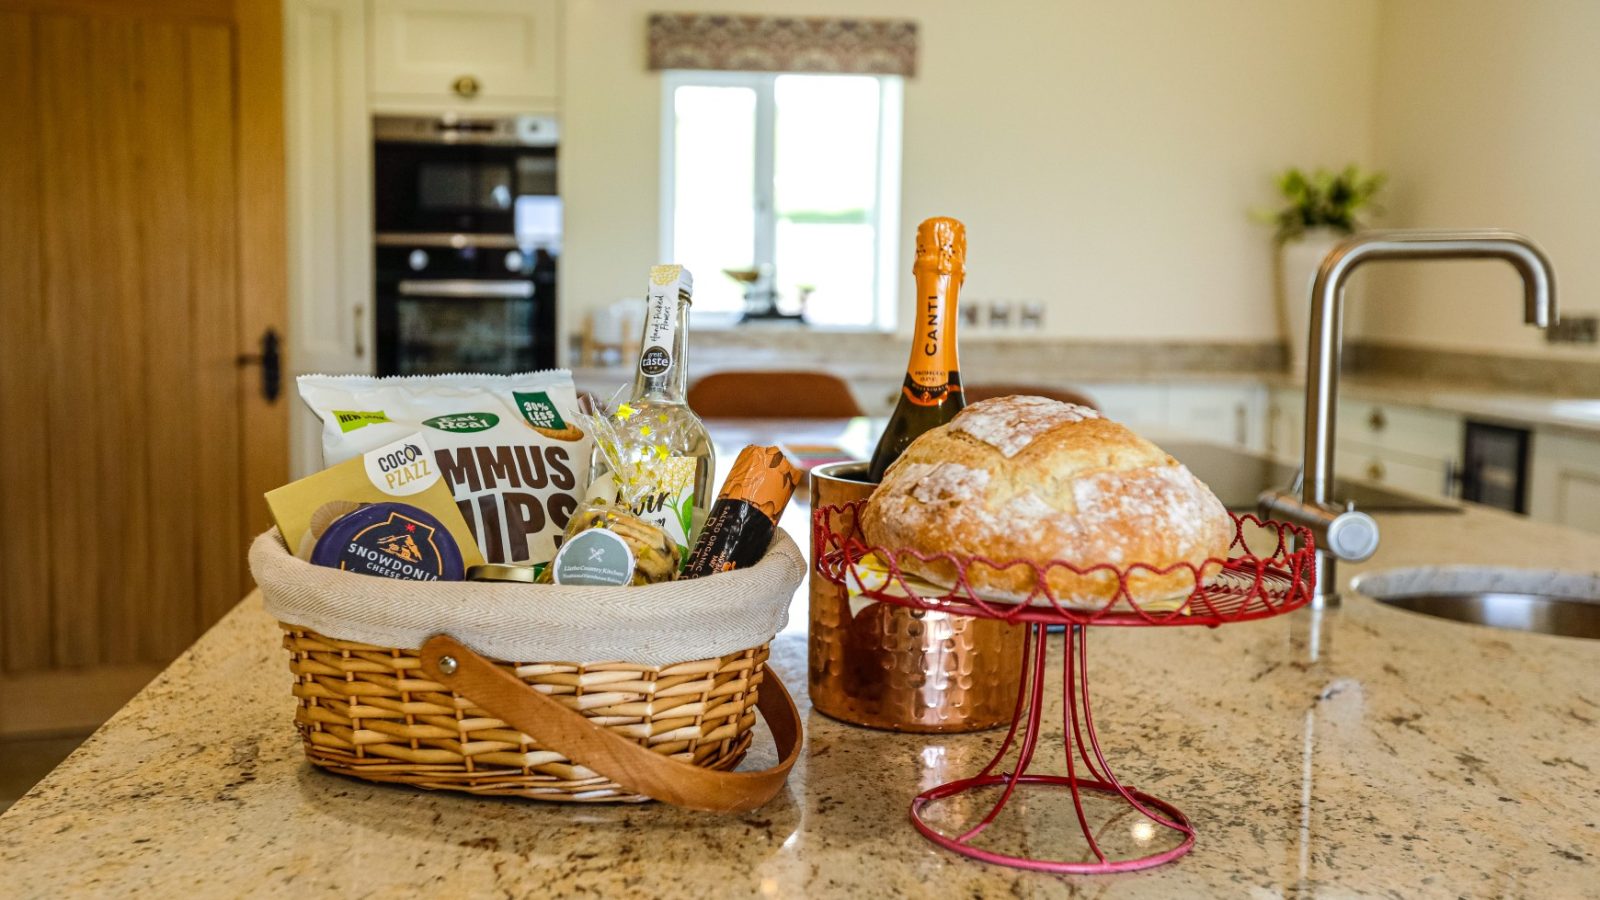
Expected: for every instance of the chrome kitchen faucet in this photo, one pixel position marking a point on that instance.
(1346, 533)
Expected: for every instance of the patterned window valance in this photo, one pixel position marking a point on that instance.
(783, 44)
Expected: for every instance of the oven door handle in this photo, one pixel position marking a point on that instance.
(466, 288)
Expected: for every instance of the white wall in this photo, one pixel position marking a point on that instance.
(1487, 113)
(1104, 155)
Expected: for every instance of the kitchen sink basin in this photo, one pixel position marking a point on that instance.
(1548, 602)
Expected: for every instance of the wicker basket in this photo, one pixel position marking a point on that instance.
(443, 717)
(370, 712)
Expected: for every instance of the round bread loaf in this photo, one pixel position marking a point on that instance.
(1027, 478)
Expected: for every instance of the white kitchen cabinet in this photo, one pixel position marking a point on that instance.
(1138, 406)
(1231, 414)
(1564, 479)
(1408, 447)
(328, 149)
(1228, 414)
(491, 56)
(1286, 423)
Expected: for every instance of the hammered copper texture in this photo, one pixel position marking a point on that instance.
(901, 669)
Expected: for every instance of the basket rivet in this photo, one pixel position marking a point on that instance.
(447, 665)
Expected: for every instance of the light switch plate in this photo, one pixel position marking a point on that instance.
(1574, 328)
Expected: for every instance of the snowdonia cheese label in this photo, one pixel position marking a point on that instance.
(391, 540)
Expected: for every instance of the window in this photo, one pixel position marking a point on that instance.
(796, 176)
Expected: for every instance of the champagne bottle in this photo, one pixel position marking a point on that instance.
(931, 394)
(657, 418)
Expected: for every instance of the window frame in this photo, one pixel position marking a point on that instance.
(886, 218)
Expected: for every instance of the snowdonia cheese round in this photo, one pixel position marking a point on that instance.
(391, 540)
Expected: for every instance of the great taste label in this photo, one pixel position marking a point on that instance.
(661, 320)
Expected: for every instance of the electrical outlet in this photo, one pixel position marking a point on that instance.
(1574, 328)
(1000, 314)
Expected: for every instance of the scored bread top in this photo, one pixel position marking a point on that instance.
(1036, 479)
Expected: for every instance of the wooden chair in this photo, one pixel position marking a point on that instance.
(772, 395)
(976, 392)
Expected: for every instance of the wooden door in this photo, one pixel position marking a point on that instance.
(141, 256)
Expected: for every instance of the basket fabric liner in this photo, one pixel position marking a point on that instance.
(653, 625)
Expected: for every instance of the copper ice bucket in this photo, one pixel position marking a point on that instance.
(887, 666)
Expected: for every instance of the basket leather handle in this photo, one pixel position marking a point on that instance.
(635, 768)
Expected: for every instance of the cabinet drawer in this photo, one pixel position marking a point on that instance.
(1417, 475)
(466, 54)
(1420, 432)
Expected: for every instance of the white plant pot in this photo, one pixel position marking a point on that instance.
(1297, 268)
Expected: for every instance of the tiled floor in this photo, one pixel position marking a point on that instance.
(23, 761)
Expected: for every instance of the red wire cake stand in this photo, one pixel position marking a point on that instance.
(1269, 571)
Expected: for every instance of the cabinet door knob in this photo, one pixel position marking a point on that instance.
(466, 86)
(1375, 471)
(1377, 419)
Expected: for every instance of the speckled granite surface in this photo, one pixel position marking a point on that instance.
(1362, 752)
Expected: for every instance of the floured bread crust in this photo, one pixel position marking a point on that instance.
(1035, 479)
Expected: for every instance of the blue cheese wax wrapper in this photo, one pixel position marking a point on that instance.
(391, 540)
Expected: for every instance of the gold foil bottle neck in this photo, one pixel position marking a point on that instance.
(941, 246)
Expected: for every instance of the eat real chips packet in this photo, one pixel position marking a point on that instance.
(507, 445)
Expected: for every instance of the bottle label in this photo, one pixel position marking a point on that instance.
(669, 504)
(661, 320)
(931, 374)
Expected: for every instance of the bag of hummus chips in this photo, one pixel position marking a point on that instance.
(507, 445)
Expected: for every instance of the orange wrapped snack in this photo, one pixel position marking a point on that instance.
(746, 513)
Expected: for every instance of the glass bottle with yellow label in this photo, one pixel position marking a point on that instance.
(656, 421)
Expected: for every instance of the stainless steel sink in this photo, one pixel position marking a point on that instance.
(1548, 602)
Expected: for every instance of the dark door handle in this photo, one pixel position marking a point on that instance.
(270, 359)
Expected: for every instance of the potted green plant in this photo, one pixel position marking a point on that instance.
(1321, 208)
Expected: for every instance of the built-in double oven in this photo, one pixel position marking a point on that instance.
(468, 234)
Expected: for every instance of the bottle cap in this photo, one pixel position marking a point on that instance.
(498, 572)
(391, 540)
(666, 274)
(942, 246)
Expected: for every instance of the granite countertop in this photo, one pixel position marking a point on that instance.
(1358, 751)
